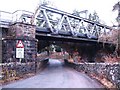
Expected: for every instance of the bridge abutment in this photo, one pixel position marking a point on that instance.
(24, 33)
(9, 51)
(12, 66)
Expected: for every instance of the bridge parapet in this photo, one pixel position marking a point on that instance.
(8, 18)
(5, 18)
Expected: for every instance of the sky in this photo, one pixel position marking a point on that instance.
(102, 7)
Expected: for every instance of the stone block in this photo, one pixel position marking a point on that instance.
(21, 30)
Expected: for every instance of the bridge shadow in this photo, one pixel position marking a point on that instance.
(75, 51)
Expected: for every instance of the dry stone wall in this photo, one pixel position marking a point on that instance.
(105, 70)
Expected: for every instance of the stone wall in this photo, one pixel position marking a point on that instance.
(109, 71)
(9, 50)
(21, 30)
(14, 71)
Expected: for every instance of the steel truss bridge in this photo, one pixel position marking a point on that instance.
(54, 23)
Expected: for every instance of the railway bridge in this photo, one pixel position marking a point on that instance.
(27, 38)
(51, 26)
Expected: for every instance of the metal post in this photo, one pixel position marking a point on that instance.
(60, 23)
(47, 20)
(20, 60)
(71, 29)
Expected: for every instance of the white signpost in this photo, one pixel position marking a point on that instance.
(20, 50)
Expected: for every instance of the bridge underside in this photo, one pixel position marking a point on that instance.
(65, 39)
(88, 50)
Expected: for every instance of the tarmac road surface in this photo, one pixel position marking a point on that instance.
(57, 75)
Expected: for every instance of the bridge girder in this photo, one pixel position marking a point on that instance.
(57, 21)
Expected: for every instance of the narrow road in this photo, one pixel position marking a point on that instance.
(57, 75)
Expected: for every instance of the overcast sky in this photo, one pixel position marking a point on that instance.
(102, 7)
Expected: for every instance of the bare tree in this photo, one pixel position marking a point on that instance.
(117, 7)
(79, 13)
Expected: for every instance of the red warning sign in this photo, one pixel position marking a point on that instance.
(19, 44)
